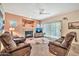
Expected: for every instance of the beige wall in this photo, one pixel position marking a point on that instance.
(9, 17)
(19, 30)
(72, 17)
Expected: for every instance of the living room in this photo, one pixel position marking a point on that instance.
(36, 26)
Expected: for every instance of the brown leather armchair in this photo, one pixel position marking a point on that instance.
(62, 48)
(11, 48)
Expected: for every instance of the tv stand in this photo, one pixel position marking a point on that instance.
(36, 35)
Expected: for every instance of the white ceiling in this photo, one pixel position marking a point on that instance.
(32, 9)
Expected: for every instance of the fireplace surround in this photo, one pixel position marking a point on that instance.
(28, 34)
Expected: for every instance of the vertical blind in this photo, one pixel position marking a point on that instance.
(52, 29)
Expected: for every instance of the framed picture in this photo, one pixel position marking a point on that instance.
(73, 25)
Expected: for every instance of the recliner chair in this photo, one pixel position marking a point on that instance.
(11, 48)
(62, 48)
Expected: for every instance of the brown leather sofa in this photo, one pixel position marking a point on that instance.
(62, 48)
(11, 48)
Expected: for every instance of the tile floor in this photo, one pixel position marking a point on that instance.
(40, 47)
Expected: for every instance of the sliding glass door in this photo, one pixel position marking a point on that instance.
(52, 29)
(46, 30)
(55, 29)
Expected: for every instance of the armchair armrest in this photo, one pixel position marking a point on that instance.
(60, 39)
(20, 47)
(58, 45)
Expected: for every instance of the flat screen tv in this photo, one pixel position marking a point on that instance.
(38, 30)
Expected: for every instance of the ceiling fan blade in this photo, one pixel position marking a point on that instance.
(43, 13)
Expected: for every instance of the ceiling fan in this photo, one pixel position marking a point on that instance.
(43, 11)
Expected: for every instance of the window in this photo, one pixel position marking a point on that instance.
(1, 25)
(13, 23)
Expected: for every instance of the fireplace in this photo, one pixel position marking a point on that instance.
(28, 34)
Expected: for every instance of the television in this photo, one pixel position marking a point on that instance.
(38, 30)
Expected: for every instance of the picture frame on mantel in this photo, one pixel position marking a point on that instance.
(73, 25)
